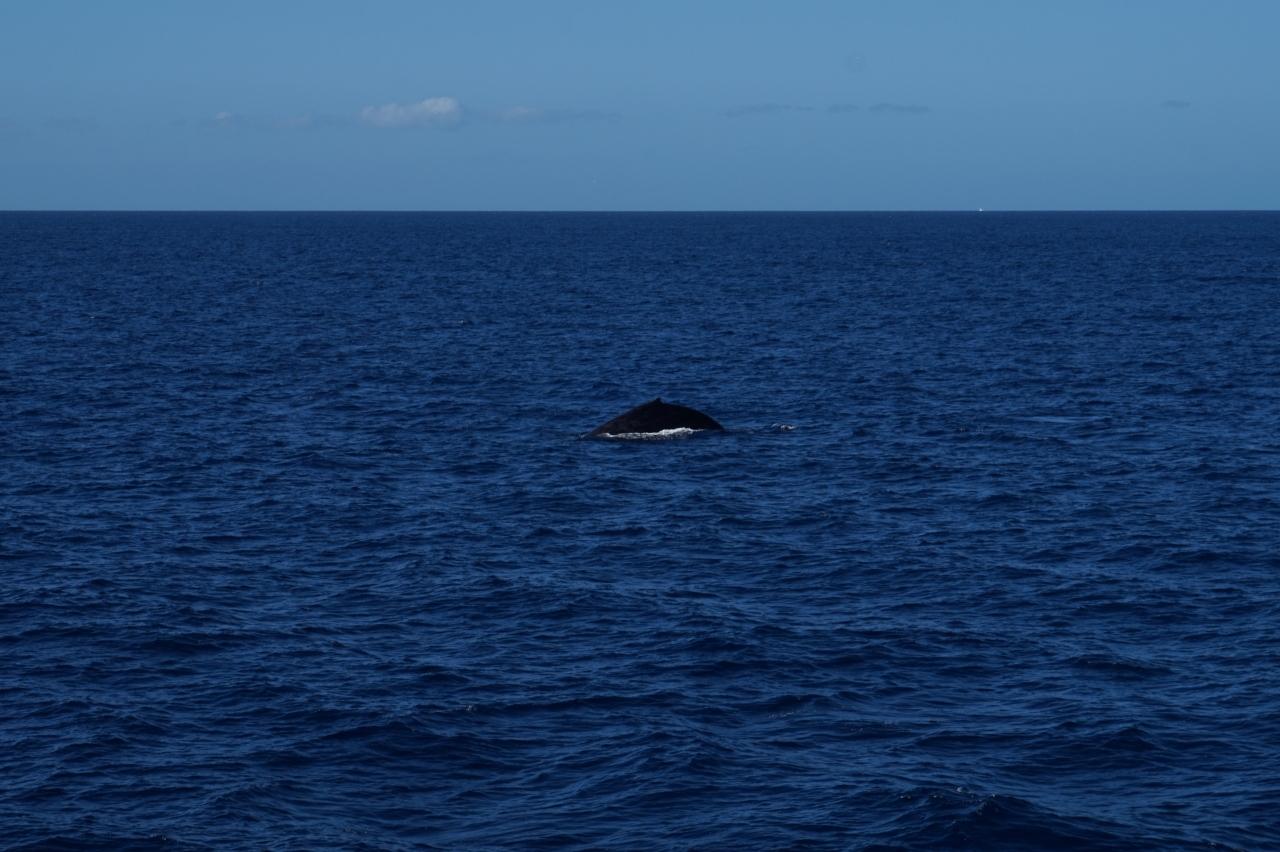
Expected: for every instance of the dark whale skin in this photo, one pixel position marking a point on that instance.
(655, 416)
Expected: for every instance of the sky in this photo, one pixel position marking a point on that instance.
(712, 105)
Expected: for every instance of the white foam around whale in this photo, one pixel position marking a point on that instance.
(660, 435)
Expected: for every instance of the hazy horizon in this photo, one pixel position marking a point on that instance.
(638, 211)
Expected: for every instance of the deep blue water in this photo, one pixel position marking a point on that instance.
(300, 547)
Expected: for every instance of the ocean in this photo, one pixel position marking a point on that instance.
(302, 548)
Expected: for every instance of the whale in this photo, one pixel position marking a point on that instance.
(655, 416)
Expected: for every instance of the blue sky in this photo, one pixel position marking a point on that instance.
(1001, 104)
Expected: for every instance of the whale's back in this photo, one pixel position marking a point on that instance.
(656, 416)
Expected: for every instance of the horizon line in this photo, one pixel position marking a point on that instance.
(709, 210)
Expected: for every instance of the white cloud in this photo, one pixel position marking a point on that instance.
(424, 113)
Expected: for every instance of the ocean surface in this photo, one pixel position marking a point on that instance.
(301, 547)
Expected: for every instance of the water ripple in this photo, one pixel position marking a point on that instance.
(302, 548)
